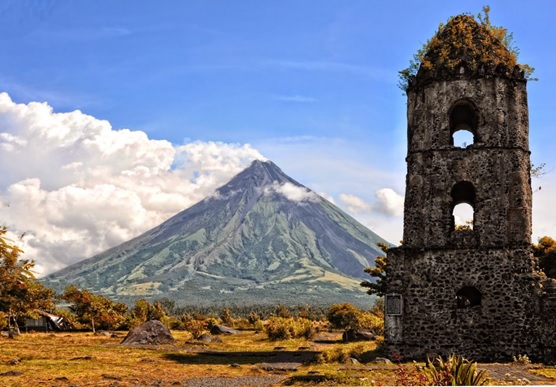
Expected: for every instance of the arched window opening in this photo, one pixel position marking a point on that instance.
(462, 138)
(463, 215)
(463, 206)
(468, 297)
(463, 124)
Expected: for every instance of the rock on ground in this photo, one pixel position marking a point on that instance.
(150, 332)
(223, 330)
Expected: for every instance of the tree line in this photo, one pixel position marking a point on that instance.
(23, 296)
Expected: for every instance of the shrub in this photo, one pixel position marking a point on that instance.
(242, 323)
(348, 317)
(371, 321)
(259, 326)
(344, 316)
(339, 354)
(280, 328)
(3, 320)
(522, 359)
(226, 317)
(194, 326)
(455, 371)
(253, 317)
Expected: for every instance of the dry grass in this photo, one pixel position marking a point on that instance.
(82, 359)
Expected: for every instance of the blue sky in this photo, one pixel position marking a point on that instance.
(311, 85)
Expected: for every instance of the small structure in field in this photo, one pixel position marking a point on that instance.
(47, 322)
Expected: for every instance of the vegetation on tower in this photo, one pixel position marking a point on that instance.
(469, 41)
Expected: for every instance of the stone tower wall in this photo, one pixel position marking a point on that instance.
(436, 264)
(497, 164)
(504, 325)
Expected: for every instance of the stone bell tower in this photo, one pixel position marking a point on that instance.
(471, 290)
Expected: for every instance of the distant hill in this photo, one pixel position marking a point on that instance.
(261, 238)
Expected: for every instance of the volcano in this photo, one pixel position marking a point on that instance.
(261, 238)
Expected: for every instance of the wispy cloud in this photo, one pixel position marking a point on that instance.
(27, 93)
(337, 67)
(295, 98)
(81, 33)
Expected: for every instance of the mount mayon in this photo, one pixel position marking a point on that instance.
(261, 238)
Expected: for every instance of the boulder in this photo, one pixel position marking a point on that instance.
(358, 335)
(149, 333)
(223, 330)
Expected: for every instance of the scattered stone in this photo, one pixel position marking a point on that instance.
(235, 365)
(61, 379)
(223, 330)
(353, 360)
(306, 379)
(148, 361)
(12, 373)
(111, 377)
(150, 332)
(103, 333)
(279, 348)
(205, 338)
(286, 366)
(314, 372)
(88, 357)
(382, 360)
(358, 335)
(241, 381)
(13, 362)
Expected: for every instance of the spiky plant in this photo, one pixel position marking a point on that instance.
(455, 371)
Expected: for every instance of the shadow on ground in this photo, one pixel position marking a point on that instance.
(217, 357)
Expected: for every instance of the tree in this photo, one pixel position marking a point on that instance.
(96, 310)
(20, 294)
(144, 311)
(545, 251)
(378, 272)
(345, 316)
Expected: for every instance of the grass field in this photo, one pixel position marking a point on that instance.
(83, 359)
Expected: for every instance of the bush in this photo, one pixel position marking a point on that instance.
(226, 317)
(3, 320)
(373, 322)
(193, 326)
(456, 371)
(345, 316)
(522, 359)
(280, 328)
(259, 326)
(339, 354)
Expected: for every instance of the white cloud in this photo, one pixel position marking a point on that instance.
(355, 204)
(544, 211)
(291, 192)
(390, 202)
(384, 217)
(75, 186)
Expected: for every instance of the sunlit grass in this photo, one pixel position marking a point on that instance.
(83, 359)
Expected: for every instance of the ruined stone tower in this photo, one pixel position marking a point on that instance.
(472, 290)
